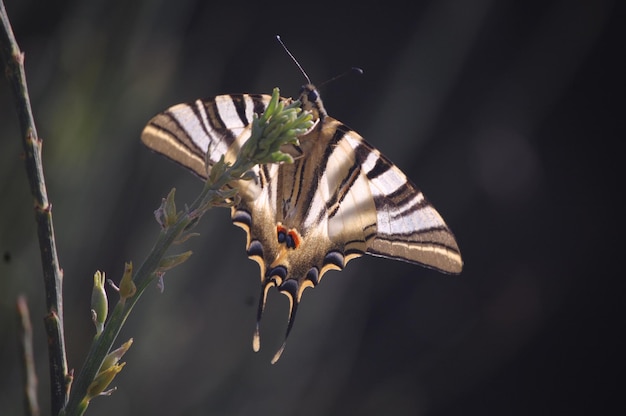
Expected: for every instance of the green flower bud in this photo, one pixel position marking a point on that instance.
(102, 381)
(170, 262)
(127, 286)
(114, 357)
(166, 213)
(99, 302)
(277, 126)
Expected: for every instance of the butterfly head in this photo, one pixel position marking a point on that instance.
(311, 101)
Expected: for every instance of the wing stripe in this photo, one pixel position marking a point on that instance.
(199, 111)
(410, 202)
(189, 143)
(165, 129)
(297, 181)
(409, 233)
(298, 191)
(380, 167)
(263, 176)
(213, 116)
(259, 103)
(409, 206)
(239, 102)
(400, 194)
(343, 189)
(338, 134)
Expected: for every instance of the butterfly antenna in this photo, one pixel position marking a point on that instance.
(343, 74)
(293, 58)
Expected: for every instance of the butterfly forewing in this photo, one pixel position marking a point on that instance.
(408, 226)
(185, 132)
(340, 198)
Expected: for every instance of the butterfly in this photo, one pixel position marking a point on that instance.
(339, 199)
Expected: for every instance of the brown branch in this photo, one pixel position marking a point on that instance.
(13, 60)
(28, 359)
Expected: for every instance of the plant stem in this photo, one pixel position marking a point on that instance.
(28, 359)
(277, 126)
(145, 275)
(13, 60)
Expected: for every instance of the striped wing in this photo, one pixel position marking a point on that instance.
(194, 134)
(339, 200)
(408, 226)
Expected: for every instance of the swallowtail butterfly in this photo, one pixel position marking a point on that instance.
(341, 197)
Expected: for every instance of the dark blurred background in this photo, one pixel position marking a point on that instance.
(507, 114)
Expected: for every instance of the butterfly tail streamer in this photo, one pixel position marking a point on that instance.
(256, 339)
(289, 288)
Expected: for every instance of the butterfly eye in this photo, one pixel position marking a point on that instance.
(313, 96)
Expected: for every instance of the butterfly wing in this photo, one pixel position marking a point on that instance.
(408, 227)
(200, 132)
